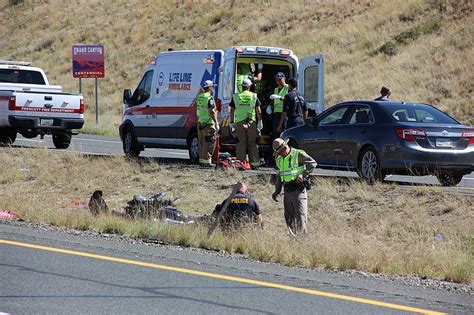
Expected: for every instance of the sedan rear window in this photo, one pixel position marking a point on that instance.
(21, 76)
(421, 113)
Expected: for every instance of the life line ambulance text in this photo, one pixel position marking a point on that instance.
(180, 77)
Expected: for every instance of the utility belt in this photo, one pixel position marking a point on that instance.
(293, 186)
(202, 126)
(247, 121)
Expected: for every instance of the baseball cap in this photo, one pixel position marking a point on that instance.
(246, 82)
(207, 84)
(279, 75)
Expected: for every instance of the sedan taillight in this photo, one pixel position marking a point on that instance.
(468, 134)
(410, 134)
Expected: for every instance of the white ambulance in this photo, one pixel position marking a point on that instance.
(161, 112)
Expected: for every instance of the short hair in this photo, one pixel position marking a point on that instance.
(293, 82)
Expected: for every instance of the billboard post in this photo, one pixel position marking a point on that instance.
(88, 62)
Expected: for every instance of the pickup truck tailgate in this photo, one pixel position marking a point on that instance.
(47, 104)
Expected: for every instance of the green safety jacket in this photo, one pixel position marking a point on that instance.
(279, 103)
(202, 109)
(288, 166)
(245, 106)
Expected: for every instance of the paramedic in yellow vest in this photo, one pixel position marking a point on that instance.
(207, 123)
(278, 94)
(294, 166)
(244, 114)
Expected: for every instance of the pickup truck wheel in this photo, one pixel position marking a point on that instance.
(7, 136)
(449, 179)
(193, 147)
(130, 145)
(62, 141)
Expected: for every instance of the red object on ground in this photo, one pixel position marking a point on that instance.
(9, 215)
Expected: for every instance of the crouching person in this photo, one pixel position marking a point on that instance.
(242, 209)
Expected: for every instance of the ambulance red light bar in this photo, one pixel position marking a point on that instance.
(152, 61)
(239, 49)
(285, 52)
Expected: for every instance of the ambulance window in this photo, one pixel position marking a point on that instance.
(311, 83)
(229, 79)
(143, 91)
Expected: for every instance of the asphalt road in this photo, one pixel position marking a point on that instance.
(91, 144)
(44, 271)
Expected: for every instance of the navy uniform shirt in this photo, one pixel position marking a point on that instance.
(294, 105)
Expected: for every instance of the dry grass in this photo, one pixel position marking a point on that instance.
(418, 47)
(381, 228)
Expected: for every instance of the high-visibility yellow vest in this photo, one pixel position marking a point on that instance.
(279, 103)
(289, 167)
(244, 106)
(202, 109)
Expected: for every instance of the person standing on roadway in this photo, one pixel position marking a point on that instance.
(295, 108)
(244, 113)
(294, 166)
(207, 123)
(279, 92)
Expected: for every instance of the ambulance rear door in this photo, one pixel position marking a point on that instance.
(311, 81)
(227, 88)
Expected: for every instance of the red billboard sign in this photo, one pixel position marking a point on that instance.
(88, 61)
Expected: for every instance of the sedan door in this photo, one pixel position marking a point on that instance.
(320, 141)
(352, 134)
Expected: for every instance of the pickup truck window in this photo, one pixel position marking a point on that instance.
(143, 91)
(21, 76)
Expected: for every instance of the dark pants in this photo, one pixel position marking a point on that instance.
(276, 122)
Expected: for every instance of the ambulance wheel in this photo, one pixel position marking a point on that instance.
(130, 145)
(62, 141)
(7, 136)
(193, 147)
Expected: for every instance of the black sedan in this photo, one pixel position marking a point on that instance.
(378, 138)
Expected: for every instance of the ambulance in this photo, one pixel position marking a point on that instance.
(161, 112)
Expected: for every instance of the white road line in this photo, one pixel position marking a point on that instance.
(96, 140)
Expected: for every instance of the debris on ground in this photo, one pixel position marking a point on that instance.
(9, 215)
(149, 206)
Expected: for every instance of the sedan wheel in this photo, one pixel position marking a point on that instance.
(369, 166)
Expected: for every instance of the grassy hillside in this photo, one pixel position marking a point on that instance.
(422, 48)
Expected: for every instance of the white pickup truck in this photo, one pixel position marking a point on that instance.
(32, 107)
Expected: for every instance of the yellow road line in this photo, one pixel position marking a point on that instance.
(224, 277)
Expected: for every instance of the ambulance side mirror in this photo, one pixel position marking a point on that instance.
(127, 96)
